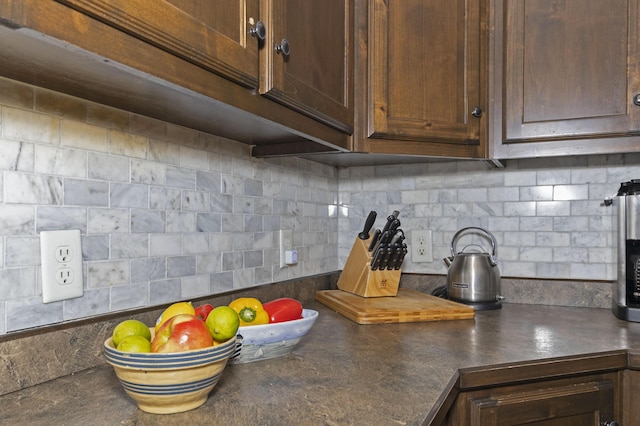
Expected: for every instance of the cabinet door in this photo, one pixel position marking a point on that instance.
(211, 34)
(583, 404)
(571, 69)
(315, 75)
(424, 70)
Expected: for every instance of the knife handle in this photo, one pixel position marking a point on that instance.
(377, 258)
(364, 235)
(398, 237)
(384, 238)
(401, 258)
(374, 240)
(390, 220)
(395, 255)
(388, 252)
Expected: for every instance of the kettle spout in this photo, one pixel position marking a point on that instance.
(448, 260)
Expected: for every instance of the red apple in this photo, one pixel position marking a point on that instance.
(182, 332)
(203, 311)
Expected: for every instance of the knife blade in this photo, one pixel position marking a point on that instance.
(364, 235)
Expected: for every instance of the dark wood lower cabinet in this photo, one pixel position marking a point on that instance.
(584, 401)
(579, 404)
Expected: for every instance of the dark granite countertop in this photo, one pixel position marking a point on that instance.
(342, 373)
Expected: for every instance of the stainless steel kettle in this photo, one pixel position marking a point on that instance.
(474, 278)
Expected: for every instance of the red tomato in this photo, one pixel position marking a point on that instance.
(283, 309)
(202, 312)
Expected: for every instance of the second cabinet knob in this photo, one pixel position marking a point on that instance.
(283, 47)
(476, 112)
(259, 31)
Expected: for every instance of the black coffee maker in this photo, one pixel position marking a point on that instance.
(626, 289)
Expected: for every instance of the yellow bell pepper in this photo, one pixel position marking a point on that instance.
(250, 311)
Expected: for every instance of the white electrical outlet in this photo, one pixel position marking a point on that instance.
(288, 255)
(61, 260)
(421, 246)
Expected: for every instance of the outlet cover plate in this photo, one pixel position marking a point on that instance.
(286, 243)
(61, 264)
(421, 246)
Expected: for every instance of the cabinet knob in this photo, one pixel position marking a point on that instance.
(476, 112)
(611, 423)
(636, 100)
(283, 47)
(259, 31)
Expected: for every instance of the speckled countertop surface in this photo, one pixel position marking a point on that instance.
(341, 373)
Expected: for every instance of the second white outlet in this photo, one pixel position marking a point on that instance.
(288, 255)
(61, 259)
(421, 246)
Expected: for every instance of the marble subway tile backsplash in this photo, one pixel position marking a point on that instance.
(166, 213)
(547, 214)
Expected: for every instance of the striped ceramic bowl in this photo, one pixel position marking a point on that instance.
(163, 383)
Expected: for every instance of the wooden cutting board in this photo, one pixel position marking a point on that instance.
(407, 306)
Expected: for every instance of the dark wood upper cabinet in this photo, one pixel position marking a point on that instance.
(214, 35)
(570, 73)
(305, 45)
(422, 71)
(207, 65)
(307, 62)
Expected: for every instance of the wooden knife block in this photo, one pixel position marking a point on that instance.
(358, 278)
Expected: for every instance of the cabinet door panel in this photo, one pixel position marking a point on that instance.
(571, 68)
(315, 78)
(425, 70)
(212, 34)
(584, 404)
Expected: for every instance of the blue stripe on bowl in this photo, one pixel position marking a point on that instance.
(124, 361)
(173, 360)
(173, 389)
(199, 353)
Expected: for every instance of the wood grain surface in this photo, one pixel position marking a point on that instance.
(407, 306)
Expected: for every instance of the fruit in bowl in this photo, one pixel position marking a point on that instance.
(223, 323)
(128, 328)
(283, 309)
(203, 311)
(181, 332)
(173, 310)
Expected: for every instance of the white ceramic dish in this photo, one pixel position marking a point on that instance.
(260, 342)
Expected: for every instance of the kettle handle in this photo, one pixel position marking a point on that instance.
(494, 244)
